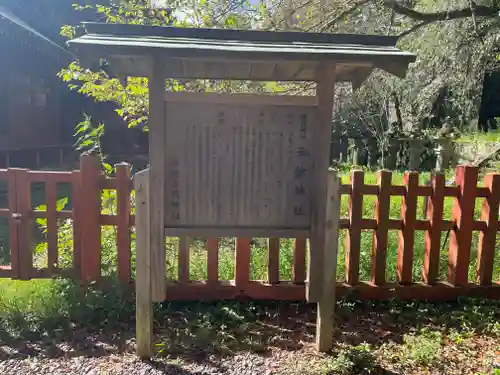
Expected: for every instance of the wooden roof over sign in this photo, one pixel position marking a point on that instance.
(239, 54)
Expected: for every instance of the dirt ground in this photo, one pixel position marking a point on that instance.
(268, 338)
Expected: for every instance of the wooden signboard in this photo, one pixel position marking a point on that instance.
(238, 164)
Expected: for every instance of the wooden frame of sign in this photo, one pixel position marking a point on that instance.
(237, 165)
(229, 165)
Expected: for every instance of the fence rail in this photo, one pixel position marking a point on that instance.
(87, 219)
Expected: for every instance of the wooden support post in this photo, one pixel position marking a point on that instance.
(326, 304)
(321, 147)
(143, 287)
(90, 218)
(123, 227)
(487, 238)
(461, 236)
(157, 139)
(407, 234)
(273, 264)
(434, 214)
(353, 238)
(381, 234)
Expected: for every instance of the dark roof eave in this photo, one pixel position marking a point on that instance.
(234, 34)
(125, 41)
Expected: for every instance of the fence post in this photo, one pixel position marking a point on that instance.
(213, 260)
(51, 204)
(123, 185)
(432, 242)
(242, 263)
(143, 278)
(90, 215)
(487, 238)
(13, 224)
(273, 263)
(299, 261)
(326, 304)
(353, 238)
(381, 234)
(23, 193)
(407, 234)
(461, 236)
(77, 226)
(183, 265)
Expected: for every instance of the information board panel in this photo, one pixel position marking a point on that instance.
(238, 166)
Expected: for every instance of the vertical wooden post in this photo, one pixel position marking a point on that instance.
(77, 226)
(13, 224)
(51, 200)
(143, 287)
(23, 193)
(381, 234)
(461, 236)
(435, 207)
(407, 234)
(123, 225)
(242, 263)
(213, 260)
(321, 142)
(353, 238)
(157, 139)
(90, 218)
(299, 261)
(183, 266)
(487, 238)
(326, 304)
(273, 264)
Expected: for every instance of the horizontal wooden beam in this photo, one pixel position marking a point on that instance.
(363, 290)
(237, 232)
(241, 99)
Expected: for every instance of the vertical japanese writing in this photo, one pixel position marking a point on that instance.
(302, 169)
(175, 192)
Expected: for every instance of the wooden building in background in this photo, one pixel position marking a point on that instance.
(38, 112)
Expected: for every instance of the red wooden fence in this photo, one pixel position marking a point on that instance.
(88, 182)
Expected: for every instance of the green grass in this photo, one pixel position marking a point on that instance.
(31, 308)
(491, 136)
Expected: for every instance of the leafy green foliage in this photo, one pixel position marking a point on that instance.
(30, 308)
(423, 349)
(352, 360)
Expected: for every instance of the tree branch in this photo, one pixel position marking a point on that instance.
(413, 29)
(342, 15)
(476, 11)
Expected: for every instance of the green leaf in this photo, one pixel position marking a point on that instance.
(61, 203)
(108, 168)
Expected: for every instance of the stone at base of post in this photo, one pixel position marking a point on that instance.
(326, 304)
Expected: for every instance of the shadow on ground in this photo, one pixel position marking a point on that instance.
(198, 331)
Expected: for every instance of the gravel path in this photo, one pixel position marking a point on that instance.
(243, 364)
